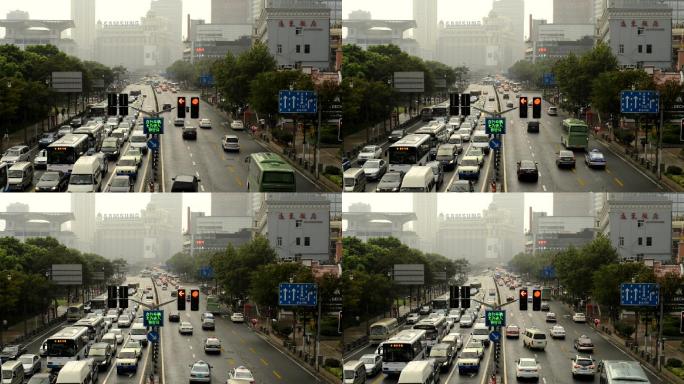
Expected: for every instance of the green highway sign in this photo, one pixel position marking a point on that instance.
(495, 318)
(153, 318)
(495, 125)
(153, 125)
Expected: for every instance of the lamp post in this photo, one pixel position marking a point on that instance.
(4, 321)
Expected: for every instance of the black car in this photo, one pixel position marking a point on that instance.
(166, 107)
(346, 164)
(53, 181)
(174, 317)
(77, 122)
(189, 132)
(528, 170)
(533, 126)
(390, 182)
(396, 135)
(12, 352)
(47, 139)
(185, 183)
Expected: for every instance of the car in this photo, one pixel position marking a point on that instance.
(205, 123)
(346, 164)
(43, 378)
(230, 143)
(374, 168)
(16, 154)
(135, 152)
(189, 132)
(128, 166)
(528, 171)
(369, 152)
(46, 139)
(200, 371)
(425, 310)
(124, 321)
(101, 353)
(583, 344)
(509, 104)
(64, 130)
(111, 147)
(134, 345)
(550, 317)
(40, 161)
(31, 363)
(595, 159)
(43, 348)
(237, 317)
(121, 133)
(565, 158)
(579, 317)
(582, 366)
(185, 328)
(53, 181)
(179, 122)
(477, 345)
(390, 182)
(552, 111)
(212, 345)
(557, 332)
(240, 375)
(126, 361)
(121, 183)
(476, 152)
(372, 362)
(469, 168)
(237, 125)
(437, 172)
(174, 317)
(466, 321)
(443, 354)
(167, 107)
(510, 299)
(76, 122)
(12, 352)
(185, 183)
(545, 306)
(461, 186)
(512, 331)
(527, 368)
(468, 361)
(412, 318)
(396, 135)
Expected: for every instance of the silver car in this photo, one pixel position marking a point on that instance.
(200, 372)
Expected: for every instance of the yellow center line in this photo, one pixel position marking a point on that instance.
(581, 181)
(608, 171)
(618, 182)
(231, 361)
(264, 362)
(252, 349)
(276, 374)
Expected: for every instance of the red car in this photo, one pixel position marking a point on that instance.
(512, 331)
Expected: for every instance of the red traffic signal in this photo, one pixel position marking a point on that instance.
(522, 299)
(195, 293)
(522, 107)
(180, 107)
(194, 300)
(537, 293)
(536, 107)
(181, 300)
(194, 107)
(536, 300)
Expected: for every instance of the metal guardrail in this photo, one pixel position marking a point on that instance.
(355, 344)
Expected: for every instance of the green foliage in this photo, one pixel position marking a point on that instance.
(606, 87)
(265, 87)
(624, 329)
(332, 170)
(575, 267)
(266, 278)
(673, 170)
(332, 362)
(674, 362)
(608, 277)
(671, 326)
(282, 135)
(329, 327)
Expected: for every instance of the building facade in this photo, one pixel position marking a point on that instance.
(299, 230)
(83, 208)
(172, 12)
(367, 33)
(24, 225)
(231, 11)
(26, 32)
(573, 12)
(425, 33)
(83, 15)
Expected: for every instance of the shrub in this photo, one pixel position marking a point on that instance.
(674, 363)
(624, 329)
(332, 363)
(333, 170)
(281, 135)
(674, 170)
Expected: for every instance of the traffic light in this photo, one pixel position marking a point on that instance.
(522, 107)
(111, 296)
(536, 299)
(180, 107)
(522, 299)
(123, 296)
(453, 294)
(465, 106)
(465, 297)
(536, 107)
(112, 102)
(194, 300)
(181, 299)
(453, 110)
(194, 107)
(123, 104)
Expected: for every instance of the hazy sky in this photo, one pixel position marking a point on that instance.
(447, 10)
(105, 10)
(446, 202)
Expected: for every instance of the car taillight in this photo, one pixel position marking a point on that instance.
(591, 366)
(577, 366)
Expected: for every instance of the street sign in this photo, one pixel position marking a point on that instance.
(639, 101)
(297, 294)
(153, 318)
(548, 79)
(549, 272)
(153, 125)
(153, 144)
(495, 336)
(495, 318)
(495, 125)
(152, 336)
(206, 272)
(639, 294)
(495, 144)
(206, 80)
(297, 102)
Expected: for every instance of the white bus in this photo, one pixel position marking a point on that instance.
(441, 302)
(99, 303)
(68, 344)
(409, 151)
(63, 153)
(95, 132)
(382, 330)
(435, 328)
(95, 326)
(437, 131)
(75, 313)
(400, 349)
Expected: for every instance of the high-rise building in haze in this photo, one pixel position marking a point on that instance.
(173, 205)
(231, 204)
(83, 15)
(573, 204)
(599, 6)
(425, 207)
(515, 204)
(172, 10)
(514, 10)
(231, 11)
(425, 14)
(573, 12)
(83, 225)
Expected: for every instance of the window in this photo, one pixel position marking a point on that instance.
(649, 241)
(298, 242)
(279, 241)
(298, 31)
(640, 48)
(280, 48)
(307, 48)
(640, 223)
(640, 241)
(298, 49)
(307, 241)
(621, 48)
(649, 48)
(298, 223)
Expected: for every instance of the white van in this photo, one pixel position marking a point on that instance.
(13, 372)
(20, 176)
(418, 372)
(86, 175)
(354, 372)
(534, 338)
(354, 180)
(418, 179)
(109, 338)
(77, 372)
(139, 140)
(481, 333)
(139, 333)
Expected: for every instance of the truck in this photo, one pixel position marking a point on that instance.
(546, 293)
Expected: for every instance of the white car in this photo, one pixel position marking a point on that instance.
(205, 123)
(185, 328)
(124, 321)
(369, 152)
(583, 365)
(372, 362)
(31, 364)
(557, 332)
(527, 368)
(240, 375)
(237, 317)
(412, 318)
(40, 161)
(237, 125)
(118, 333)
(579, 317)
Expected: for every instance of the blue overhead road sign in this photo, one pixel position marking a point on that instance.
(639, 294)
(297, 294)
(639, 101)
(297, 102)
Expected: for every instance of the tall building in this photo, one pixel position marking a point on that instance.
(83, 225)
(83, 15)
(173, 205)
(171, 10)
(425, 14)
(573, 204)
(231, 204)
(573, 12)
(677, 11)
(599, 7)
(514, 11)
(425, 207)
(515, 204)
(231, 11)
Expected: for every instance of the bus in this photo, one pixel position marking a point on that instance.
(99, 303)
(95, 326)
(426, 114)
(440, 110)
(97, 110)
(441, 303)
(95, 132)
(68, 344)
(63, 153)
(383, 329)
(437, 131)
(213, 305)
(575, 134)
(402, 348)
(435, 328)
(268, 172)
(75, 313)
(409, 151)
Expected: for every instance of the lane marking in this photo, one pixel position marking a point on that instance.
(264, 362)
(618, 182)
(276, 374)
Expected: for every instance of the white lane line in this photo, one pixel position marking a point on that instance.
(544, 187)
(194, 164)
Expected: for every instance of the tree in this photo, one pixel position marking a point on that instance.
(265, 87)
(265, 280)
(607, 280)
(606, 87)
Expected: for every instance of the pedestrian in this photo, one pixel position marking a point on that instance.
(597, 322)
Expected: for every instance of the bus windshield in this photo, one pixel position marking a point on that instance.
(406, 155)
(397, 353)
(80, 179)
(61, 348)
(65, 156)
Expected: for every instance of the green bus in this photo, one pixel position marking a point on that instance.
(575, 134)
(213, 304)
(268, 172)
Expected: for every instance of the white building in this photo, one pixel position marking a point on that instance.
(425, 15)
(83, 15)
(299, 230)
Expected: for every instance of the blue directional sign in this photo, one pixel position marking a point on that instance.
(297, 102)
(297, 294)
(153, 144)
(206, 80)
(152, 336)
(495, 144)
(495, 336)
(548, 79)
(639, 101)
(549, 272)
(206, 272)
(639, 294)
